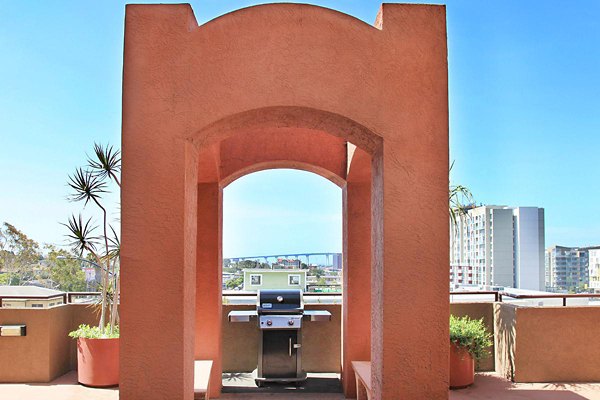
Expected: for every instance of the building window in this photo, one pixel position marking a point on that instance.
(37, 305)
(255, 280)
(293, 280)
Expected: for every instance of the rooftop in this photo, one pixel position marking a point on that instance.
(28, 291)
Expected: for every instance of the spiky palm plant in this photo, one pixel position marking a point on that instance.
(459, 197)
(89, 185)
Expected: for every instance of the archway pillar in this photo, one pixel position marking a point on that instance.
(410, 308)
(208, 281)
(356, 307)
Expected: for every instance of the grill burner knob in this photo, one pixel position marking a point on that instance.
(291, 322)
(280, 299)
(269, 322)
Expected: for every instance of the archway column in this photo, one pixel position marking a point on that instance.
(208, 281)
(410, 308)
(356, 307)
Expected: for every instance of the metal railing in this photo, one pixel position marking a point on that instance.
(495, 293)
(563, 296)
(67, 297)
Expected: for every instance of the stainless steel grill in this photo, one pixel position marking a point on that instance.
(279, 314)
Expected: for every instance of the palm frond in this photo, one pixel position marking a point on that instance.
(86, 186)
(81, 234)
(107, 162)
(115, 244)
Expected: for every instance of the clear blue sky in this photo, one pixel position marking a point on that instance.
(524, 111)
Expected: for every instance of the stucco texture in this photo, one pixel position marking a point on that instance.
(275, 86)
(548, 344)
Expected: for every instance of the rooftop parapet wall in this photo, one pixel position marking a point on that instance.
(46, 352)
(548, 344)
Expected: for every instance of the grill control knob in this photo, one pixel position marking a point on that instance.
(269, 322)
(291, 322)
(280, 299)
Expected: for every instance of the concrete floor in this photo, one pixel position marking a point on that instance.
(492, 386)
(488, 386)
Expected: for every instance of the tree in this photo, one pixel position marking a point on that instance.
(234, 283)
(89, 185)
(19, 255)
(65, 271)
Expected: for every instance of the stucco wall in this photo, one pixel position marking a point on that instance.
(505, 327)
(478, 311)
(548, 344)
(321, 342)
(46, 352)
(557, 344)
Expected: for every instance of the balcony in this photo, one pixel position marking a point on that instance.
(531, 345)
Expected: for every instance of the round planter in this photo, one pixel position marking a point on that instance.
(462, 367)
(98, 362)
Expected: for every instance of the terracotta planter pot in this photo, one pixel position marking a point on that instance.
(462, 367)
(98, 362)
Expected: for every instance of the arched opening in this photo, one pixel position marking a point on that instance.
(276, 138)
(279, 225)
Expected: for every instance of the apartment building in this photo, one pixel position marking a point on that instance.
(498, 246)
(572, 268)
(594, 269)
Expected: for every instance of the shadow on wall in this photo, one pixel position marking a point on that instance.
(505, 339)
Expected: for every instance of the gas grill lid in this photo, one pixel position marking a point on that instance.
(280, 301)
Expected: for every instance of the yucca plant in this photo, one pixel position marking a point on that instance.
(459, 197)
(89, 185)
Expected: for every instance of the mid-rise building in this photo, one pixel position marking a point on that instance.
(498, 246)
(594, 269)
(572, 268)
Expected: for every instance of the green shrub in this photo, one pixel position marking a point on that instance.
(470, 334)
(94, 332)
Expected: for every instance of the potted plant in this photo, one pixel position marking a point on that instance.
(469, 342)
(98, 346)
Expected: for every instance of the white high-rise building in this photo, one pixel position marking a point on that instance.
(498, 246)
(594, 268)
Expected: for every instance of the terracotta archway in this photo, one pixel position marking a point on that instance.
(262, 79)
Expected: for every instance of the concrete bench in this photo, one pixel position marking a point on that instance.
(362, 372)
(202, 370)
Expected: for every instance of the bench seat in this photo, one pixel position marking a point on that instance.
(362, 372)
(202, 370)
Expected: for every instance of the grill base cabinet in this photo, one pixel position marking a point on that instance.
(280, 357)
(280, 314)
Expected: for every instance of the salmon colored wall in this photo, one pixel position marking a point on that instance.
(187, 88)
(208, 282)
(317, 151)
(357, 268)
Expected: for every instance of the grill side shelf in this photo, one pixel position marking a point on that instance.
(241, 316)
(318, 315)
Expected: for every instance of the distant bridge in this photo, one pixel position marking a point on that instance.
(328, 257)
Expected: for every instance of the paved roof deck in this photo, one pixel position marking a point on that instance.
(487, 386)
(492, 386)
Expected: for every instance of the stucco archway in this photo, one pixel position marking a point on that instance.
(286, 137)
(296, 70)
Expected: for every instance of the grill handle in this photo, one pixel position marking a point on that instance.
(290, 347)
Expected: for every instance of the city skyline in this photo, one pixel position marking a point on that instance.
(523, 114)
